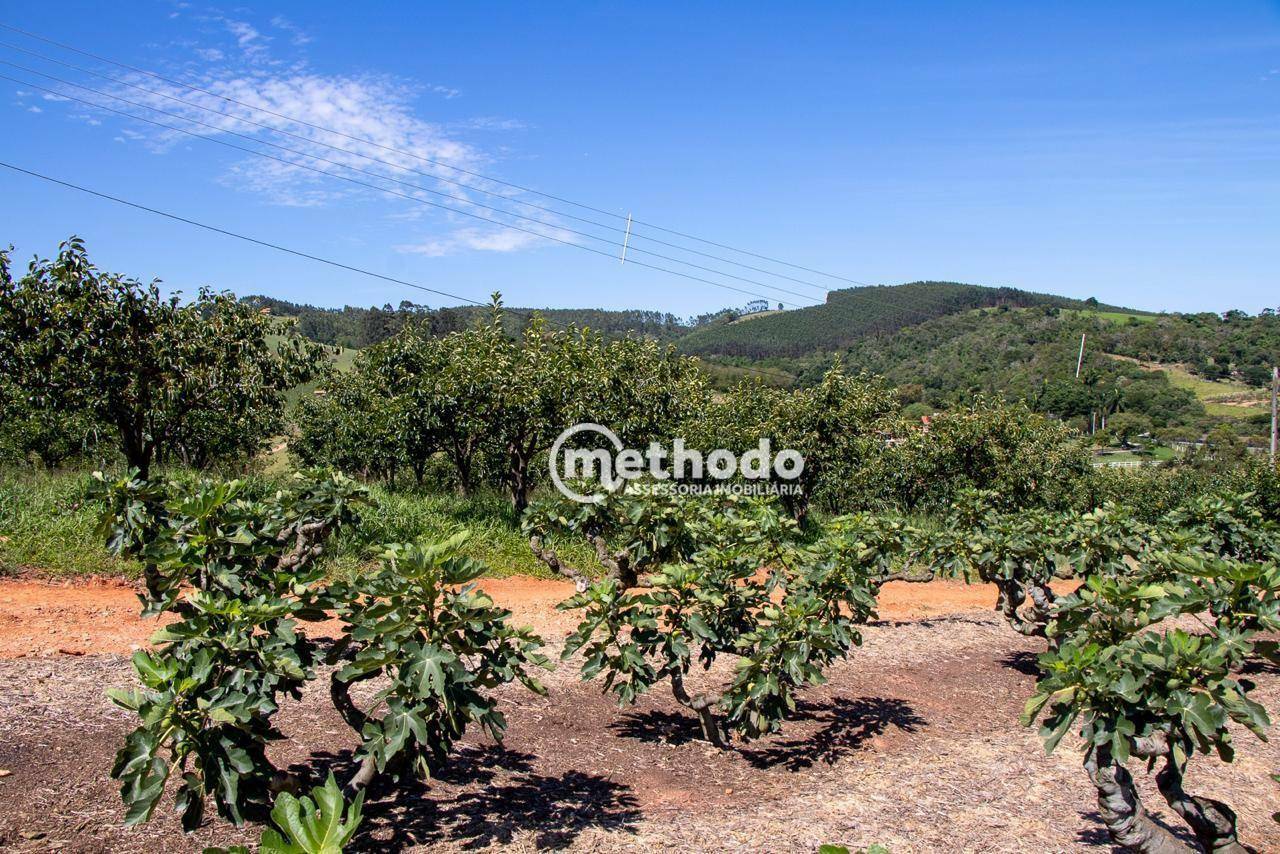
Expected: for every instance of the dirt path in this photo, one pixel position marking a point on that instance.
(40, 618)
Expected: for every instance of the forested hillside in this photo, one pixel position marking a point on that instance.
(1026, 354)
(939, 343)
(1030, 354)
(356, 328)
(854, 313)
(1214, 346)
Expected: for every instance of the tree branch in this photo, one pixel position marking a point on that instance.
(617, 564)
(340, 694)
(548, 556)
(309, 538)
(1213, 822)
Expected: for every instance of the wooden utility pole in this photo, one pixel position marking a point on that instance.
(1080, 361)
(1275, 386)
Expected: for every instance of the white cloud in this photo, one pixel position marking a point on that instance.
(34, 109)
(491, 123)
(296, 34)
(366, 122)
(251, 42)
(478, 239)
(362, 120)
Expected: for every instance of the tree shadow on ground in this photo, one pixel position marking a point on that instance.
(846, 725)
(657, 726)
(1256, 665)
(490, 796)
(316, 768)
(1026, 663)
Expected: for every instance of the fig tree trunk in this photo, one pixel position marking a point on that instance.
(1127, 820)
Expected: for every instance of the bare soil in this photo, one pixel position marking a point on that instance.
(913, 743)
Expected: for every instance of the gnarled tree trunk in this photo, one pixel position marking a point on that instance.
(1031, 621)
(1122, 811)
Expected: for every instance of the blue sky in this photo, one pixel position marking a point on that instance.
(1125, 151)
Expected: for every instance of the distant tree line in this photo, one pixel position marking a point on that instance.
(356, 327)
(99, 365)
(1030, 355)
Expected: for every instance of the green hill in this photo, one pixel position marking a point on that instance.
(1181, 372)
(852, 314)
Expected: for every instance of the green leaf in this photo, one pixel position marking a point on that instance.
(312, 825)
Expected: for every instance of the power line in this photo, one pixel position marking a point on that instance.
(377, 175)
(218, 129)
(433, 176)
(869, 299)
(407, 196)
(268, 244)
(365, 172)
(228, 233)
(416, 156)
(849, 296)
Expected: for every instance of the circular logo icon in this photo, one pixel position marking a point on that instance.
(607, 479)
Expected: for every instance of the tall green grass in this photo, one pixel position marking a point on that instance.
(408, 515)
(47, 527)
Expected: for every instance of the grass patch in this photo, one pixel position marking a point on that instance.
(409, 515)
(47, 527)
(1222, 398)
(341, 359)
(723, 375)
(1113, 316)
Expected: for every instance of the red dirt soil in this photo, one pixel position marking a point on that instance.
(102, 616)
(914, 743)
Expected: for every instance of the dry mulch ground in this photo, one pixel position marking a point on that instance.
(913, 743)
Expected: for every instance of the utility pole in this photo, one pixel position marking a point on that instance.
(626, 241)
(1275, 386)
(1080, 361)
